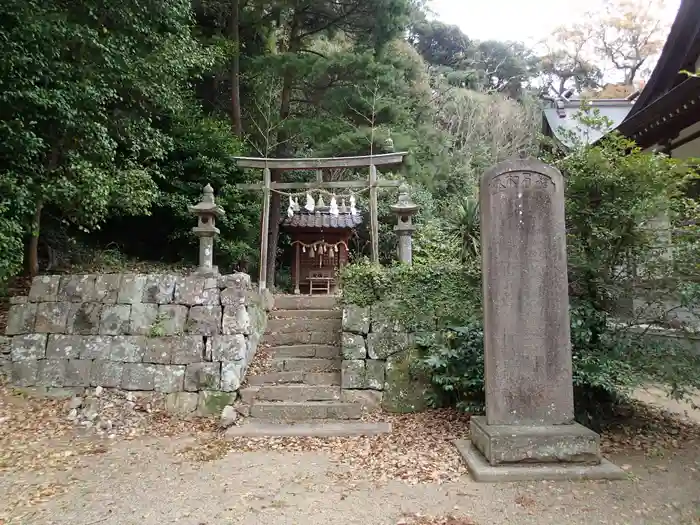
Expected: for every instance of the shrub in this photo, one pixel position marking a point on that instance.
(454, 361)
(420, 297)
(608, 364)
(625, 209)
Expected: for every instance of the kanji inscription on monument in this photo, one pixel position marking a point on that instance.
(520, 181)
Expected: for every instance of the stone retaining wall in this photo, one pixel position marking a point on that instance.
(185, 336)
(377, 357)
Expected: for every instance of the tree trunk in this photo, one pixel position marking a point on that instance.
(32, 253)
(236, 120)
(631, 73)
(281, 150)
(33, 245)
(275, 198)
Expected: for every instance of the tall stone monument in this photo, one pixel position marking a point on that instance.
(529, 430)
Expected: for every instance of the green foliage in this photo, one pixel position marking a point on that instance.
(609, 362)
(482, 66)
(202, 152)
(429, 234)
(10, 242)
(475, 131)
(440, 44)
(505, 66)
(434, 244)
(617, 200)
(421, 297)
(454, 361)
(99, 129)
(364, 283)
(464, 225)
(102, 132)
(85, 90)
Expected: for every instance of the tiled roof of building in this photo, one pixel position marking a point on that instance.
(322, 218)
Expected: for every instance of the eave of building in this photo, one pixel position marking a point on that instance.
(321, 220)
(687, 144)
(664, 119)
(669, 102)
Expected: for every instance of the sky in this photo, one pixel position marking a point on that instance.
(528, 21)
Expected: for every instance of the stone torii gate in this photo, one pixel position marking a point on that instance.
(318, 165)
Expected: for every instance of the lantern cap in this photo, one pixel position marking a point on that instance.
(404, 206)
(207, 206)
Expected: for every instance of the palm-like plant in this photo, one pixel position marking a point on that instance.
(464, 224)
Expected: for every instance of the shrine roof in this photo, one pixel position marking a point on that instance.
(322, 219)
(669, 101)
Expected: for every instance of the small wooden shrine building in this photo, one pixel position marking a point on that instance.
(320, 240)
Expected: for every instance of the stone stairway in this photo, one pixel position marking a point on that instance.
(303, 343)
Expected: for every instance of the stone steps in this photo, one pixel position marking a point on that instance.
(320, 351)
(303, 324)
(327, 428)
(307, 378)
(306, 314)
(306, 364)
(305, 302)
(296, 393)
(301, 338)
(305, 411)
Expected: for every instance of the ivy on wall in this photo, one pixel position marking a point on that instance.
(422, 297)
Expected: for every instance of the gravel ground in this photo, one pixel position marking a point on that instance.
(147, 483)
(655, 396)
(182, 473)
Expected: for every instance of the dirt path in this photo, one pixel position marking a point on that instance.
(146, 483)
(50, 474)
(656, 396)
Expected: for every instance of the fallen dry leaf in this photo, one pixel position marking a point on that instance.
(261, 363)
(525, 501)
(647, 429)
(417, 519)
(419, 449)
(36, 437)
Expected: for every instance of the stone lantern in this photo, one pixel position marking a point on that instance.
(206, 211)
(405, 209)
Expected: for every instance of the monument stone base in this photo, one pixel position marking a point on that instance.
(535, 444)
(523, 453)
(482, 471)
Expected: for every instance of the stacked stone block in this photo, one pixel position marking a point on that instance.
(5, 363)
(163, 333)
(377, 355)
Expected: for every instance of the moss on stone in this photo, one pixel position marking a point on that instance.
(212, 403)
(404, 390)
